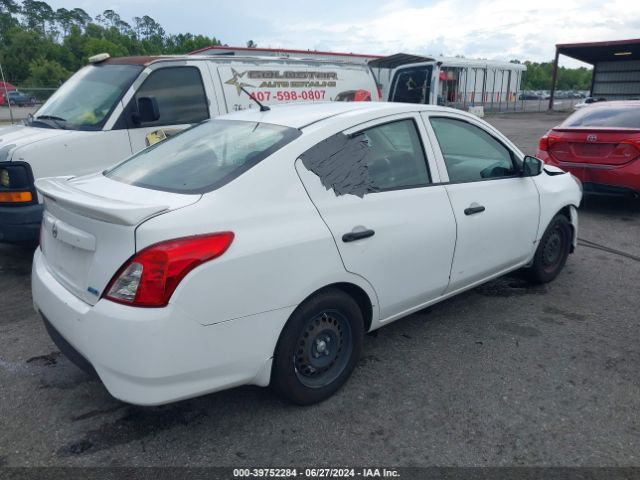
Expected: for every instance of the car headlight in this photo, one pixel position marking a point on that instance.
(15, 184)
(5, 180)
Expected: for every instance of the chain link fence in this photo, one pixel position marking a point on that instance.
(499, 90)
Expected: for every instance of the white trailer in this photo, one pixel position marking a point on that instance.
(455, 82)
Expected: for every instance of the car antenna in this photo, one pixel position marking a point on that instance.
(263, 108)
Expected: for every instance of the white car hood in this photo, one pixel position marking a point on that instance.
(16, 136)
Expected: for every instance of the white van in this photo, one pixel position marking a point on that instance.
(115, 107)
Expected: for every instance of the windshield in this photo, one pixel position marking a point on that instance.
(204, 157)
(609, 116)
(87, 98)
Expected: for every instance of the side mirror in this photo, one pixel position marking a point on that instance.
(148, 111)
(531, 166)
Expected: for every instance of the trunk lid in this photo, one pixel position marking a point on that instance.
(88, 228)
(598, 146)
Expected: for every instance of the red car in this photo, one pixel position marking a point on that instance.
(600, 145)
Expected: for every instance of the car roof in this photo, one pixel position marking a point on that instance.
(615, 103)
(301, 115)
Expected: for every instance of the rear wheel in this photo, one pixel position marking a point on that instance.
(552, 251)
(318, 348)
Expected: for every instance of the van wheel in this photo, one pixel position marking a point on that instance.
(552, 251)
(318, 348)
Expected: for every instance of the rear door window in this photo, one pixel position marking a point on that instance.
(381, 158)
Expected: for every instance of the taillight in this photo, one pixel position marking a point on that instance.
(362, 96)
(547, 140)
(151, 276)
(627, 149)
(543, 145)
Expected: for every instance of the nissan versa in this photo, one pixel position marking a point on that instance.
(259, 247)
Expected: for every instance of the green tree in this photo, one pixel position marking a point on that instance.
(37, 14)
(80, 17)
(42, 47)
(46, 73)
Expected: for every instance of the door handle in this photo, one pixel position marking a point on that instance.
(474, 208)
(352, 236)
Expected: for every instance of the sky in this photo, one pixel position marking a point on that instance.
(493, 29)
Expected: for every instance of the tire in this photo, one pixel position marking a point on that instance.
(552, 251)
(318, 348)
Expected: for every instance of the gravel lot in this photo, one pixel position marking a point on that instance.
(19, 114)
(506, 374)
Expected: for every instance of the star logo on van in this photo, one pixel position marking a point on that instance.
(237, 82)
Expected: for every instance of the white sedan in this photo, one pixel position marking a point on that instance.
(259, 247)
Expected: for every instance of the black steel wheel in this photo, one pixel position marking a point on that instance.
(552, 252)
(318, 348)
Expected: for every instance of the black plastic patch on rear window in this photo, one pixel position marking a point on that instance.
(341, 162)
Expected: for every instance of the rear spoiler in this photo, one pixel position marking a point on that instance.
(111, 210)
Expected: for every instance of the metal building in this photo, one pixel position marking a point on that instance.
(616, 67)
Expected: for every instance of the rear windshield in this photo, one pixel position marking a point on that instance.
(204, 157)
(605, 116)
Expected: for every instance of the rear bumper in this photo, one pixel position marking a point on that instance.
(603, 179)
(20, 224)
(152, 356)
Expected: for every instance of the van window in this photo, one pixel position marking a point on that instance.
(412, 85)
(203, 157)
(180, 95)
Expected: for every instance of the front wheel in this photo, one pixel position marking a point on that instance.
(318, 348)
(552, 251)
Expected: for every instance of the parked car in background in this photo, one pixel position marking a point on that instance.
(353, 96)
(588, 101)
(259, 247)
(600, 145)
(17, 98)
(529, 96)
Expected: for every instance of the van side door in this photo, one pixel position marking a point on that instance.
(172, 97)
(414, 84)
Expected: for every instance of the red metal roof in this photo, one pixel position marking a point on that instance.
(6, 86)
